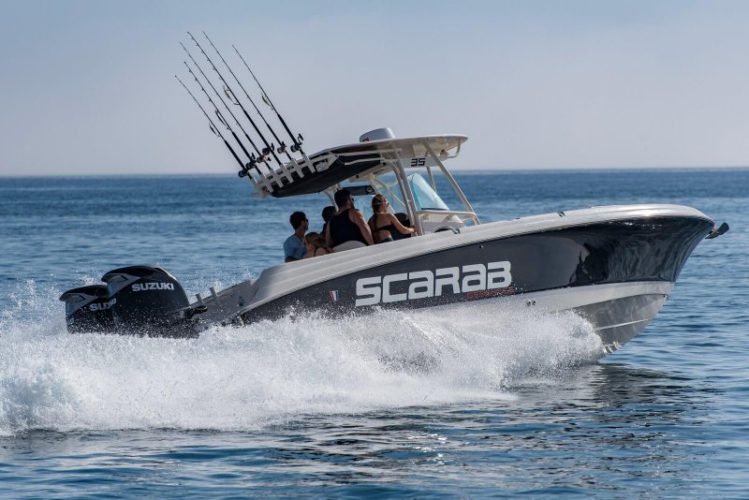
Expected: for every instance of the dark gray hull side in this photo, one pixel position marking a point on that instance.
(630, 250)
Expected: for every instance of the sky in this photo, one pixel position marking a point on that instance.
(87, 87)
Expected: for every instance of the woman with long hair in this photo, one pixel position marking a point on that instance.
(316, 245)
(385, 226)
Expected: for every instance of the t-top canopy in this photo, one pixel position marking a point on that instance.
(332, 166)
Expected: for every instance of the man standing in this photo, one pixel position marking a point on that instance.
(348, 223)
(293, 247)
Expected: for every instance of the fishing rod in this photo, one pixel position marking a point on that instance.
(282, 146)
(220, 116)
(268, 147)
(254, 160)
(252, 143)
(215, 130)
(298, 139)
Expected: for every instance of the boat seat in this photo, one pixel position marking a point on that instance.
(348, 245)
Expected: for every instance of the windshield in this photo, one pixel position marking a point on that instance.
(424, 195)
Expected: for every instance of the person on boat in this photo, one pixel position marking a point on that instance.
(327, 214)
(348, 225)
(316, 245)
(294, 247)
(384, 225)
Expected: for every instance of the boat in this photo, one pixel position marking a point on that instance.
(613, 265)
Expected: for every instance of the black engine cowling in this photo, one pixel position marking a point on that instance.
(148, 300)
(88, 309)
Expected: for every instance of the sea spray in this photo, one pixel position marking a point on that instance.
(243, 378)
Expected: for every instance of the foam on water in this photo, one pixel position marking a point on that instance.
(243, 378)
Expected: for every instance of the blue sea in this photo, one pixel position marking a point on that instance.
(396, 404)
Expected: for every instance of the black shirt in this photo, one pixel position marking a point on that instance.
(343, 230)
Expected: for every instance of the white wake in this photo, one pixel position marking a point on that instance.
(243, 378)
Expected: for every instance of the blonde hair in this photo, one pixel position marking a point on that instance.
(316, 241)
(378, 201)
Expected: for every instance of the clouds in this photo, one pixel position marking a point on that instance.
(87, 87)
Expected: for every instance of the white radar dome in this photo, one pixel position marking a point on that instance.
(377, 135)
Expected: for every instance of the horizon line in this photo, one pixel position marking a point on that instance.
(530, 170)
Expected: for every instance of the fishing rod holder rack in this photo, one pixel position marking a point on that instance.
(255, 154)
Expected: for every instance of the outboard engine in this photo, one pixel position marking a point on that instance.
(150, 301)
(88, 309)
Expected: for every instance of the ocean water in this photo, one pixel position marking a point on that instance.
(415, 404)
